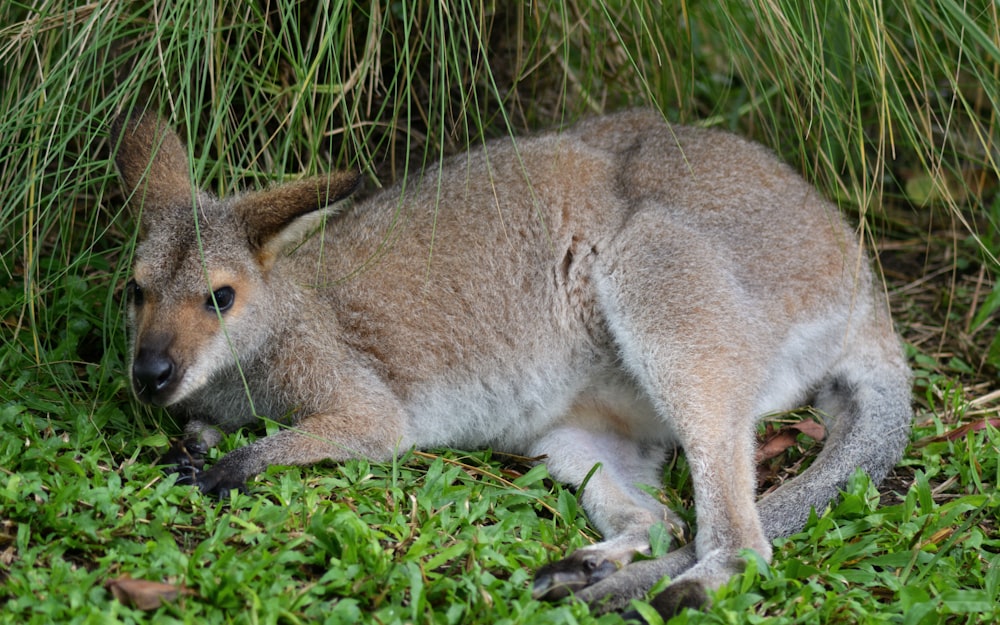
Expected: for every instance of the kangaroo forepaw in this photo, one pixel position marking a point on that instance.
(563, 578)
(217, 482)
(184, 456)
(186, 475)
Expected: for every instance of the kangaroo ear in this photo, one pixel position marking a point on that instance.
(152, 162)
(272, 217)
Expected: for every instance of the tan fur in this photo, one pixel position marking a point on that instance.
(594, 296)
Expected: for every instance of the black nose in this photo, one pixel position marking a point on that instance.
(153, 375)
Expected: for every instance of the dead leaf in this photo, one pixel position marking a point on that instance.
(143, 594)
(961, 431)
(776, 442)
(7, 556)
(813, 429)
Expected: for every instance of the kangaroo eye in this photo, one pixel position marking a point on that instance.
(222, 298)
(134, 292)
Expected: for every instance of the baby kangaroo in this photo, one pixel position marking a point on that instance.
(595, 297)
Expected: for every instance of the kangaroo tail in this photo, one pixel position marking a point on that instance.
(868, 400)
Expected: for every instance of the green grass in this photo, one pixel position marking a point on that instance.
(891, 108)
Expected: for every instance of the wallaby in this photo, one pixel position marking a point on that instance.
(594, 297)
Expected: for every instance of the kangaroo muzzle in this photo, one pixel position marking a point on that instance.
(155, 374)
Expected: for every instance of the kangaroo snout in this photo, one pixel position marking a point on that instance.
(154, 373)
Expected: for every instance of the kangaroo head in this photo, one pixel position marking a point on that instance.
(200, 292)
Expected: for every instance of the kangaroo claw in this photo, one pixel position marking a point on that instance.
(563, 578)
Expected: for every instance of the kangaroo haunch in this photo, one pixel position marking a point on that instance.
(595, 296)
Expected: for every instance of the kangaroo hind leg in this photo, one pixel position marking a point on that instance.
(691, 339)
(611, 469)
